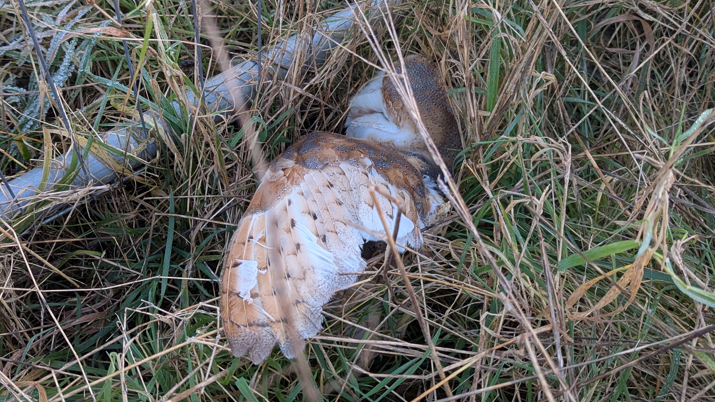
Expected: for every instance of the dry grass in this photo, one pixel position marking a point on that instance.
(588, 178)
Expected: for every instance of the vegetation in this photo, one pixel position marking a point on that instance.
(588, 172)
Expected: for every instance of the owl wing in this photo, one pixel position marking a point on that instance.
(300, 239)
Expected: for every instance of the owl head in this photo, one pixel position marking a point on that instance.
(378, 113)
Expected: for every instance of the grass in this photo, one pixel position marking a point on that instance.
(586, 172)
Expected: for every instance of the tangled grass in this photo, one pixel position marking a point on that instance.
(586, 272)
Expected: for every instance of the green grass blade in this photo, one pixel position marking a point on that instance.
(167, 251)
(493, 77)
(697, 294)
(597, 253)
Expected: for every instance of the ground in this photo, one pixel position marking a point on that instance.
(583, 269)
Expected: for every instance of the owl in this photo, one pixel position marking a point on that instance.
(300, 239)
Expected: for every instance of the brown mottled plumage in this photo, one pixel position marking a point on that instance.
(300, 238)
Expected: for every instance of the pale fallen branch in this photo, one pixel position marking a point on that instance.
(133, 148)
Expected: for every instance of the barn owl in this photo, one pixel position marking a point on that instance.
(300, 239)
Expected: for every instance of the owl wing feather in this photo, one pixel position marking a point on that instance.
(300, 239)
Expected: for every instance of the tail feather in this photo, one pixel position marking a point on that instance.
(316, 220)
(348, 239)
(326, 247)
(308, 257)
(301, 301)
(330, 234)
(240, 279)
(274, 290)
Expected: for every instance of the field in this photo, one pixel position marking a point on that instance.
(576, 264)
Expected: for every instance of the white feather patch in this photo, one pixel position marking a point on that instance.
(247, 278)
(437, 203)
(317, 254)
